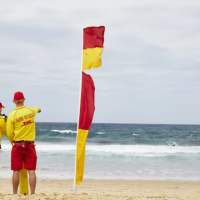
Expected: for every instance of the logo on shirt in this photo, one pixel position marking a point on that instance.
(26, 119)
(25, 123)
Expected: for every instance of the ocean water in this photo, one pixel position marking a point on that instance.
(116, 151)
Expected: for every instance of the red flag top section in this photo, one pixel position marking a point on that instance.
(93, 37)
(87, 102)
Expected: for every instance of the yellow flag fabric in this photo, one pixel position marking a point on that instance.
(23, 182)
(92, 58)
(80, 154)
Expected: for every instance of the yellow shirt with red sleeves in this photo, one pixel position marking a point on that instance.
(21, 124)
(2, 125)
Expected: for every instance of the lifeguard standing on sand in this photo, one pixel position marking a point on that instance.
(21, 133)
(2, 123)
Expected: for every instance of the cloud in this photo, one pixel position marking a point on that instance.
(150, 70)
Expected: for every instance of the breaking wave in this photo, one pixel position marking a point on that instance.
(67, 131)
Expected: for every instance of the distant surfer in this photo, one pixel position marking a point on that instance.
(3, 118)
(21, 133)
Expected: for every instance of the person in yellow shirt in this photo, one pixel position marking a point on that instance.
(2, 123)
(21, 133)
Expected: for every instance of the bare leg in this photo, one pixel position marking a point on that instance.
(15, 181)
(32, 181)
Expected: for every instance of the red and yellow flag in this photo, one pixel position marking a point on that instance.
(85, 120)
(93, 40)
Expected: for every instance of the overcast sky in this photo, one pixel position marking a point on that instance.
(151, 60)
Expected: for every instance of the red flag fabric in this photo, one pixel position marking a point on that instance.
(87, 106)
(93, 37)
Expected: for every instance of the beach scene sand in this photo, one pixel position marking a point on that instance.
(164, 167)
(107, 93)
(109, 190)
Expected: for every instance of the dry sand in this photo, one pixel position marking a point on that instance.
(108, 190)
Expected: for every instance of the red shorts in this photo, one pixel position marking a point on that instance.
(23, 155)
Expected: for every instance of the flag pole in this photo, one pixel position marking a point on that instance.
(79, 106)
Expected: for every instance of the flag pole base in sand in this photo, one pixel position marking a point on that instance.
(74, 188)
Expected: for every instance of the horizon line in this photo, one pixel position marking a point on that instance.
(128, 123)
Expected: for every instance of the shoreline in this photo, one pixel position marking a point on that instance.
(109, 190)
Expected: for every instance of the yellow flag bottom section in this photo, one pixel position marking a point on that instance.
(80, 154)
(23, 177)
(92, 58)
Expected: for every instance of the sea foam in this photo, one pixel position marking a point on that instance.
(68, 131)
(122, 150)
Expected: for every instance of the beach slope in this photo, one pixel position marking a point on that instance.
(109, 190)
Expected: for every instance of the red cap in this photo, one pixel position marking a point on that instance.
(1, 105)
(18, 96)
